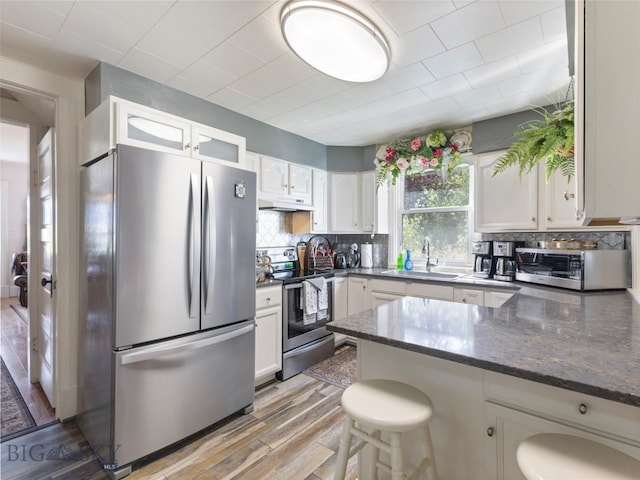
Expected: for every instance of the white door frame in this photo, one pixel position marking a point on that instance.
(68, 95)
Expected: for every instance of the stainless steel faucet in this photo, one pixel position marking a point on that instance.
(426, 248)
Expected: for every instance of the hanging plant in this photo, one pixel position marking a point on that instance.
(551, 139)
(435, 151)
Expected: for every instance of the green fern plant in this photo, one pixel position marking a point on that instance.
(551, 139)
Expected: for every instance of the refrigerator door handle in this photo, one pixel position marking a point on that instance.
(209, 243)
(193, 246)
(154, 353)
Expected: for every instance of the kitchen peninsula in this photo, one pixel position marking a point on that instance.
(545, 361)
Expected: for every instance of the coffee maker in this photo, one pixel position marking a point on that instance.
(483, 262)
(504, 254)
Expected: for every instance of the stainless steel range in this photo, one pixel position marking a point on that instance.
(305, 339)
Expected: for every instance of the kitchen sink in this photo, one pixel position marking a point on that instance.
(423, 275)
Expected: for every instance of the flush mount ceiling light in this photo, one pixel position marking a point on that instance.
(335, 40)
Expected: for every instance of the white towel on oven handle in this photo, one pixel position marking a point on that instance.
(309, 303)
(323, 296)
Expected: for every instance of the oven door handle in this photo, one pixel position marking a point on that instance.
(292, 286)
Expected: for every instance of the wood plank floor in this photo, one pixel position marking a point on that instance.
(14, 349)
(293, 434)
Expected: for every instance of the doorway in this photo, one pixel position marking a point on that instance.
(25, 119)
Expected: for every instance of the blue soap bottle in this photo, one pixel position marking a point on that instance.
(408, 263)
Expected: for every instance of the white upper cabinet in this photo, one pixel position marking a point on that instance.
(506, 201)
(283, 180)
(608, 110)
(120, 121)
(558, 203)
(320, 202)
(355, 205)
(344, 202)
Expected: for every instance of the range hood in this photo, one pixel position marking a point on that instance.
(280, 205)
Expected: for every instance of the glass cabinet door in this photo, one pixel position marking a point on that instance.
(212, 144)
(139, 127)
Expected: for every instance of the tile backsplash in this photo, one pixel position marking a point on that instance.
(605, 240)
(274, 230)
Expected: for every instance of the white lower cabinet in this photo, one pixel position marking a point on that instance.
(465, 295)
(358, 288)
(496, 299)
(340, 305)
(429, 290)
(480, 416)
(268, 333)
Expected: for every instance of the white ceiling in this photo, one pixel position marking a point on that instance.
(453, 61)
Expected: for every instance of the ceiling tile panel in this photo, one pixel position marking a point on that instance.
(184, 85)
(395, 103)
(554, 25)
(523, 83)
(275, 105)
(415, 46)
(512, 40)
(513, 103)
(554, 53)
(262, 38)
(493, 72)
(300, 94)
(141, 14)
(233, 59)
(231, 99)
(172, 47)
(207, 75)
(408, 77)
(86, 47)
(454, 61)
(517, 11)
(477, 96)
(446, 87)
(413, 14)
(32, 17)
(469, 23)
(147, 65)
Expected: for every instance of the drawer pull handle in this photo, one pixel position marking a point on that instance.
(582, 408)
(490, 431)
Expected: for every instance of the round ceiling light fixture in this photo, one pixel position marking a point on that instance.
(335, 39)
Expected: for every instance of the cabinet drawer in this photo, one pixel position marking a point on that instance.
(268, 297)
(565, 406)
(388, 286)
(429, 290)
(472, 297)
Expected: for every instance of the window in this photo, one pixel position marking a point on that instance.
(438, 209)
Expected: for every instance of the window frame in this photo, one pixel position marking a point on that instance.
(397, 210)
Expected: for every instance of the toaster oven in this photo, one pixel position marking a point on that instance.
(574, 269)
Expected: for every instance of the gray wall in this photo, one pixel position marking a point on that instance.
(105, 80)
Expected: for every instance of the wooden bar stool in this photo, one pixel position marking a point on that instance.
(385, 406)
(554, 456)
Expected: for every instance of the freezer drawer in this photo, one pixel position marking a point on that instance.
(168, 391)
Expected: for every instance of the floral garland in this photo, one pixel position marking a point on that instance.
(409, 157)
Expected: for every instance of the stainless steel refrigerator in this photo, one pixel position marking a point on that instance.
(167, 300)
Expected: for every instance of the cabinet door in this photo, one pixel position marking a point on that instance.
(300, 183)
(472, 297)
(212, 144)
(368, 202)
(268, 342)
(344, 202)
(319, 195)
(358, 289)
(496, 299)
(274, 175)
(506, 201)
(340, 298)
(429, 290)
(507, 428)
(147, 128)
(380, 298)
(611, 144)
(559, 202)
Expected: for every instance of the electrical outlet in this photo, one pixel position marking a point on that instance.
(34, 345)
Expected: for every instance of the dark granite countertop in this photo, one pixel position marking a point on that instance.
(585, 342)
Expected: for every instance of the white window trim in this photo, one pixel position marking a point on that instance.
(396, 210)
